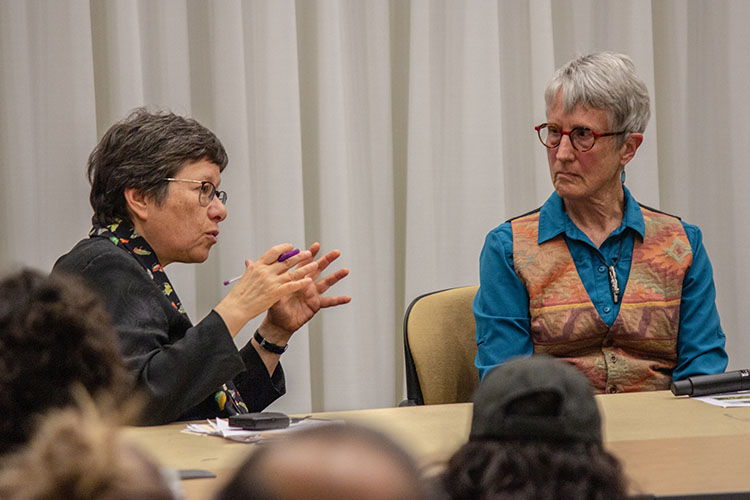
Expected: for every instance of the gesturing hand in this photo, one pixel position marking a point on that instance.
(264, 283)
(295, 309)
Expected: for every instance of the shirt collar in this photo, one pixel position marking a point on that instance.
(553, 219)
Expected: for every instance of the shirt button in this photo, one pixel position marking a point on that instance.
(612, 358)
(602, 269)
(606, 309)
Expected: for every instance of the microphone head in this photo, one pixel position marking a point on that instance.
(681, 387)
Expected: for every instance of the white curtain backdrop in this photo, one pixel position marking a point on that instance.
(397, 131)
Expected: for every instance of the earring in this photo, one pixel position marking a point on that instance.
(622, 177)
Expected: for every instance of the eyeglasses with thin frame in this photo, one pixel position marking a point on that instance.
(207, 193)
(581, 138)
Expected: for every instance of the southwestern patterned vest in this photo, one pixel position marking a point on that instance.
(639, 351)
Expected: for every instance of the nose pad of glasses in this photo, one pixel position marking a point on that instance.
(569, 146)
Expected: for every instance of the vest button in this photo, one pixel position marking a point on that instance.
(611, 389)
(608, 342)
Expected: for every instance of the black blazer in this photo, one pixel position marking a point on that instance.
(178, 365)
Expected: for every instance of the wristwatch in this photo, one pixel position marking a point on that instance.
(269, 346)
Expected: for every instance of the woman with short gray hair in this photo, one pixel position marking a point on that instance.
(623, 291)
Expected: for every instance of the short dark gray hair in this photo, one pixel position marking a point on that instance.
(605, 81)
(140, 152)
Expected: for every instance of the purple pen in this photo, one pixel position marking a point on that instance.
(282, 258)
(287, 255)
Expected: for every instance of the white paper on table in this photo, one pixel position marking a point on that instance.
(727, 400)
(220, 427)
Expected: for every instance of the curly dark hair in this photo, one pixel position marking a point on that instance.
(55, 338)
(532, 469)
(140, 152)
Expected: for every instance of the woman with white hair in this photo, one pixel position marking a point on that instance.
(623, 291)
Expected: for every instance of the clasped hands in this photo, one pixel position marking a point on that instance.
(290, 291)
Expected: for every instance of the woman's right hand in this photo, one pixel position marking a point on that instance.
(264, 283)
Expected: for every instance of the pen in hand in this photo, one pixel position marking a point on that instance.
(282, 258)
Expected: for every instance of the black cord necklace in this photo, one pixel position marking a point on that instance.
(613, 285)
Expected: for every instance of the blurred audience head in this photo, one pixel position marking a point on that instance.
(331, 462)
(55, 338)
(76, 455)
(535, 434)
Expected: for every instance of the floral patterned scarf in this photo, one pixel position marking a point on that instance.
(124, 236)
(228, 399)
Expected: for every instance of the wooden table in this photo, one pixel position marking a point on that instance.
(672, 446)
(668, 445)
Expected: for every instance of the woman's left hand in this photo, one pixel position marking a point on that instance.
(293, 311)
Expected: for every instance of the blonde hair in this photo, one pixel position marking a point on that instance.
(77, 455)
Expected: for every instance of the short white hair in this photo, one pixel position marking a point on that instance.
(606, 81)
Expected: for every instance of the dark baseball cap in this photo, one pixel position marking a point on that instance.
(536, 398)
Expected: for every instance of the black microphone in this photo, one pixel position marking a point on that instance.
(701, 385)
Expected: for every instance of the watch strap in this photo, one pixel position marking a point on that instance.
(269, 346)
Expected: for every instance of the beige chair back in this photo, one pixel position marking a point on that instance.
(440, 347)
